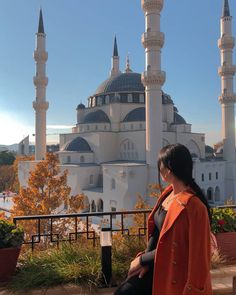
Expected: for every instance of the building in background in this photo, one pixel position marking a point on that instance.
(111, 152)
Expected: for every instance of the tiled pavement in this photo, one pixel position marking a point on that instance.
(222, 283)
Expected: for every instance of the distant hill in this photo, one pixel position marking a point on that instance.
(11, 147)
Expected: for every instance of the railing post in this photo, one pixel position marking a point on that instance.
(106, 244)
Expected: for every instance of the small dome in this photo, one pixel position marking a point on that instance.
(178, 119)
(80, 106)
(123, 82)
(166, 99)
(97, 117)
(77, 144)
(135, 115)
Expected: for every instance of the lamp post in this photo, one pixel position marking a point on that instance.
(106, 244)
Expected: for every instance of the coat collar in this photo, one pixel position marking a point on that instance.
(174, 211)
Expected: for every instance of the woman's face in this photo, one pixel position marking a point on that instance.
(165, 173)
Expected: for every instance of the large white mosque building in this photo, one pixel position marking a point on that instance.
(111, 152)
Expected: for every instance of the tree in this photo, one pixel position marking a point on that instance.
(7, 158)
(47, 189)
(47, 193)
(6, 177)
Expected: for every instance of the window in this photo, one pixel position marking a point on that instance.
(202, 177)
(209, 176)
(81, 159)
(141, 98)
(107, 99)
(68, 159)
(96, 127)
(87, 127)
(93, 206)
(113, 184)
(131, 126)
(140, 125)
(216, 175)
(210, 194)
(91, 179)
(130, 97)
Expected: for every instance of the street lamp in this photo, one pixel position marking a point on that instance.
(106, 244)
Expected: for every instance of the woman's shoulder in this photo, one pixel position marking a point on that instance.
(191, 201)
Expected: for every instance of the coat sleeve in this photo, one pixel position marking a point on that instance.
(199, 251)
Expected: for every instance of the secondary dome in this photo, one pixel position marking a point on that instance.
(97, 117)
(123, 82)
(135, 115)
(77, 144)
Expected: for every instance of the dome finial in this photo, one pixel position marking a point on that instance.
(127, 67)
(226, 11)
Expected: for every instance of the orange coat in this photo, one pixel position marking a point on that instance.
(183, 254)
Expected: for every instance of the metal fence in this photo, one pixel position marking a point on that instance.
(79, 225)
(86, 225)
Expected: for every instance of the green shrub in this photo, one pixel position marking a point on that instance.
(223, 220)
(10, 234)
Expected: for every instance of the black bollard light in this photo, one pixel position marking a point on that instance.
(106, 244)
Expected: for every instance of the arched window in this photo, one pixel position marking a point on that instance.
(209, 176)
(216, 175)
(100, 205)
(217, 194)
(81, 159)
(93, 206)
(210, 194)
(113, 184)
(202, 176)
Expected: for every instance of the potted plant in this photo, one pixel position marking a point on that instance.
(11, 238)
(224, 228)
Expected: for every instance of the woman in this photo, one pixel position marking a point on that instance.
(177, 258)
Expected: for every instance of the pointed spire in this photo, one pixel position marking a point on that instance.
(115, 50)
(41, 27)
(226, 11)
(127, 67)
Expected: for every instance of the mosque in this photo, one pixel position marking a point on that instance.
(111, 152)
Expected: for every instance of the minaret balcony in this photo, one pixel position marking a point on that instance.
(152, 5)
(152, 38)
(227, 70)
(153, 77)
(226, 42)
(227, 98)
(40, 81)
(40, 105)
(40, 55)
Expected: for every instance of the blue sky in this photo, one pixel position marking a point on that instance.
(79, 43)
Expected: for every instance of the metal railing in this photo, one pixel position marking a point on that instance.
(86, 225)
(80, 224)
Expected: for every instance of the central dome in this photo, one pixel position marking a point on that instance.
(123, 82)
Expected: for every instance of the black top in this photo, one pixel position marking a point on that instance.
(148, 257)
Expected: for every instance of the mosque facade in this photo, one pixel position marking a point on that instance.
(111, 152)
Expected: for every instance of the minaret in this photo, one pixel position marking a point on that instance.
(227, 97)
(115, 63)
(153, 79)
(40, 81)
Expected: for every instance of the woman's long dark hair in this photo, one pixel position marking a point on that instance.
(177, 158)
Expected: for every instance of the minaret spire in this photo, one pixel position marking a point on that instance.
(226, 11)
(41, 27)
(40, 81)
(115, 50)
(115, 66)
